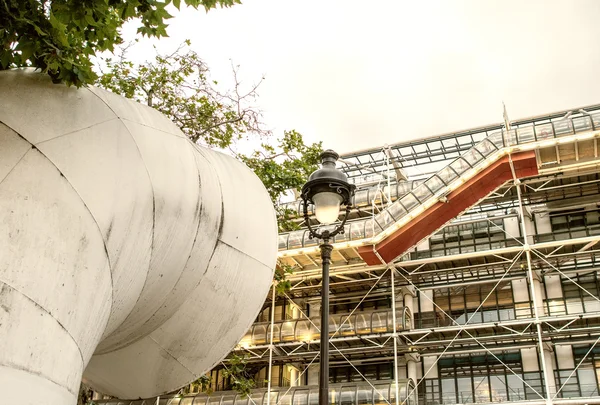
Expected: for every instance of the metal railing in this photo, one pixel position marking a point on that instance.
(448, 175)
(380, 393)
(305, 330)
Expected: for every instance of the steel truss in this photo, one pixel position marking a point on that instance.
(524, 260)
(524, 256)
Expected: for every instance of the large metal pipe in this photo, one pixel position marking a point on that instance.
(123, 249)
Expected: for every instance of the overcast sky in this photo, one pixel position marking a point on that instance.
(360, 74)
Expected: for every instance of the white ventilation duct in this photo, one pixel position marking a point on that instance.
(128, 255)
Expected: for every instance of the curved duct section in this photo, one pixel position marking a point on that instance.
(125, 255)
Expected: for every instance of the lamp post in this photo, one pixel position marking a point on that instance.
(327, 189)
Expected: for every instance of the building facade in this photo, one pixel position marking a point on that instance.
(467, 273)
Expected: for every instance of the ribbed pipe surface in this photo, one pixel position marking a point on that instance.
(128, 254)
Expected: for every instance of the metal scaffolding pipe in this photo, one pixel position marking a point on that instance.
(271, 345)
(542, 357)
(395, 334)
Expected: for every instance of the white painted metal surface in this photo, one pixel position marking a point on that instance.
(123, 251)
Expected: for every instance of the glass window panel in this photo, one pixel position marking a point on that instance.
(515, 388)
(474, 317)
(486, 147)
(447, 174)
(448, 391)
(397, 211)
(363, 323)
(200, 399)
(511, 136)
(315, 327)
(587, 382)
(300, 397)
(364, 395)
(259, 334)
(283, 241)
(227, 400)
(497, 139)
(384, 219)
(287, 331)
(422, 193)
(379, 322)
(563, 127)
(472, 156)
(303, 331)
(242, 401)
(357, 230)
(596, 119)
(465, 390)
(343, 236)
(285, 399)
(381, 394)
(405, 186)
(544, 131)
(256, 398)
(434, 184)
(391, 192)
(313, 397)
(525, 134)
(347, 325)
(276, 335)
(574, 305)
(371, 228)
(347, 395)
(591, 304)
(482, 389)
(214, 400)
(333, 326)
(295, 239)
(460, 166)
(361, 198)
(273, 398)
(409, 201)
(308, 241)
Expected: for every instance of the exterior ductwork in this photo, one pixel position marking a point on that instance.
(124, 256)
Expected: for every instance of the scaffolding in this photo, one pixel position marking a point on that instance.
(498, 304)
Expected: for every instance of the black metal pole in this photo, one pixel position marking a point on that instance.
(326, 249)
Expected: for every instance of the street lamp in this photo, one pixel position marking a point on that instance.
(327, 189)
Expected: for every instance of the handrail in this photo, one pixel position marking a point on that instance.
(362, 198)
(381, 392)
(442, 182)
(306, 330)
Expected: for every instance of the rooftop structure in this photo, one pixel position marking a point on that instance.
(468, 273)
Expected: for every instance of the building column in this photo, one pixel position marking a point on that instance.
(411, 366)
(408, 295)
(430, 369)
(551, 367)
(312, 374)
(314, 309)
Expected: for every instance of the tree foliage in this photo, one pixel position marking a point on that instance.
(180, 86)
(241, 378)
(284, 167)
(62, 36)
(282, 284)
